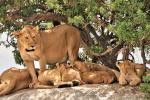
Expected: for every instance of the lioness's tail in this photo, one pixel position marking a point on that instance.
(7, 88)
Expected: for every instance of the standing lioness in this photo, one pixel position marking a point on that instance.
(47, 47)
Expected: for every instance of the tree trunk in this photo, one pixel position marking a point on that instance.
(143, 53)
(125, 53)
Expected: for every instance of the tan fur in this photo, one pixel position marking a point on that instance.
(59, 76)
(97, 77)
(14, 79)
(140, 69)
(128, 73)
(47, 47)
(94, 73)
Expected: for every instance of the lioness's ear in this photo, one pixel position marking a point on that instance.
(16, 34)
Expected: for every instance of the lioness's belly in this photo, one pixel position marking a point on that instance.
(55, 50)
(55, 56)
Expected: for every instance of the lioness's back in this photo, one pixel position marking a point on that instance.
(67, 29)
(60, 41)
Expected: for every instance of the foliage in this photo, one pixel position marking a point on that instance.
(96, 49)
(131, 20)
(17, 57)
(145, 86)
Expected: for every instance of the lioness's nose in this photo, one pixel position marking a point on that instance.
(32, 46)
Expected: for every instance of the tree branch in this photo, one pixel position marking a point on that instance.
(36, 17)
(117, 48)
(99, 39)
(86, 36)
(13, 45)
(143, 52)
(148, 62)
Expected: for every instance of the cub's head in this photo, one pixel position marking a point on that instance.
(125, 67)
(81, 66)
(128, 73)
(28, 38)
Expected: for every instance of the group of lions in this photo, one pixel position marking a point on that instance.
(56, 46)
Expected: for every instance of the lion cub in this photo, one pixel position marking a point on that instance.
(94, 73)
(61, 75)
(14, 79)
(130, 73)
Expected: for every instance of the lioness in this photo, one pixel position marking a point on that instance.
(59, 76)
(128, 73)
(94, 73)
(47, 47)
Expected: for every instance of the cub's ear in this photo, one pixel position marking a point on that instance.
(118, 64)
(15, 34)
(130, 60)
(36, 29)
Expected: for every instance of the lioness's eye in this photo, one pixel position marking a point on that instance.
(26, 37)
(33, 36)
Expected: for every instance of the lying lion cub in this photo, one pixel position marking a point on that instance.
(14, 79)
(59, 76)
(130, 72)
(94, 73)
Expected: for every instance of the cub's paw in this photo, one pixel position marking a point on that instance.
(135, 82)
(109, 80)
(123, 82)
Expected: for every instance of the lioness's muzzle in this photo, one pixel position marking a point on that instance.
(29, 50)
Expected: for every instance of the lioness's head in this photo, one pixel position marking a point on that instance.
(28, 38)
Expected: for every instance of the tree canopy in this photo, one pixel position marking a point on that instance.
(106, 25)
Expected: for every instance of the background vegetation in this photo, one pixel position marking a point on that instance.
(145, 86)
(107, 26)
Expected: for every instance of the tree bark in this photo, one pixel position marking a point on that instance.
(143, 52)
(125, 53)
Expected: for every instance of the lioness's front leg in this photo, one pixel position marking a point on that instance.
(31, 70)
(42, 64)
